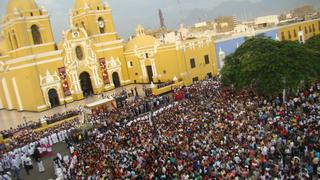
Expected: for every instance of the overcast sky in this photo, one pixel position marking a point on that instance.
(127, 13)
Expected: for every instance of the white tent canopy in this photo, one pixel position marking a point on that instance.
(100, 102)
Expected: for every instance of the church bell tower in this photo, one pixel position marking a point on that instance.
(27, 29)
(96, 18)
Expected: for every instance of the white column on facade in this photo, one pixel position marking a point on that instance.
(95, 76)
(1, 105)
(6, 93)
(60, 93)
(120, 75)
(110, 76)
(16, 91)
(76, 83)
(154, 68)
(143, 68)
(45, 93)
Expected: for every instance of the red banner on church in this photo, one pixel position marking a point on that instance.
(104, 71)
(64, 81)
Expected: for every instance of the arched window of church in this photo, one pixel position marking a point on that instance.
(101, 25)
(15, 40)
(36, 35)
(79, 52)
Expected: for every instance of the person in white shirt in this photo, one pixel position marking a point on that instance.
(55, 139)
(71, 148)
(1, 168)
(27, 164)
(40, 166)
(15, 167)
(6, 176)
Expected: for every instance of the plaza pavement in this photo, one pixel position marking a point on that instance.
(47, 163)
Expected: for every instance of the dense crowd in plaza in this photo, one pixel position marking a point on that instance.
(212, 133)
(161, 85)
(23, 138)
(61, 116)
(28, 125)
(216, 133)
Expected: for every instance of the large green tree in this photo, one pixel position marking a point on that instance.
(313, 43)
(269, 66)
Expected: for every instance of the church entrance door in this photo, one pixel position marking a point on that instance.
(53, 98)
(85, 83)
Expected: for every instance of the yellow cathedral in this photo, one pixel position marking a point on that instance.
(37, 74)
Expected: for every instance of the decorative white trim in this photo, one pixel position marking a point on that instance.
(30, 19)
(6, 93)
(49, 79)
(1, 104)
(28, 58)
(109, 43)
(113, 63)
(105, 34)
(164, 46)
(154, 67)
(143, 69)
(129, 64)
(32, 46)
(90, 12)
(109, 49)
(36, 63)
(108, 86)
(16, 91)
(42, 106)
(164, 50)
(76, 82)
(4, 56)
(96, 78)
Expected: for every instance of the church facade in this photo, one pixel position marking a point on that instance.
(37, 74)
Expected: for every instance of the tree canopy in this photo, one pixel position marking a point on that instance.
(269, 66)
(313, 43)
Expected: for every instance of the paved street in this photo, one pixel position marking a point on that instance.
(48, 165)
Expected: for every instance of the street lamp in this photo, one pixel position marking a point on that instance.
(284, 90)
(25, 120)
(152, 85)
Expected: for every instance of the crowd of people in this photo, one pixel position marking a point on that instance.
(212, 133)
(216, 133)
(25, 126)
(61, 116)
(25, 135)
(21, 154)
(129, 110)
(168, 83)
